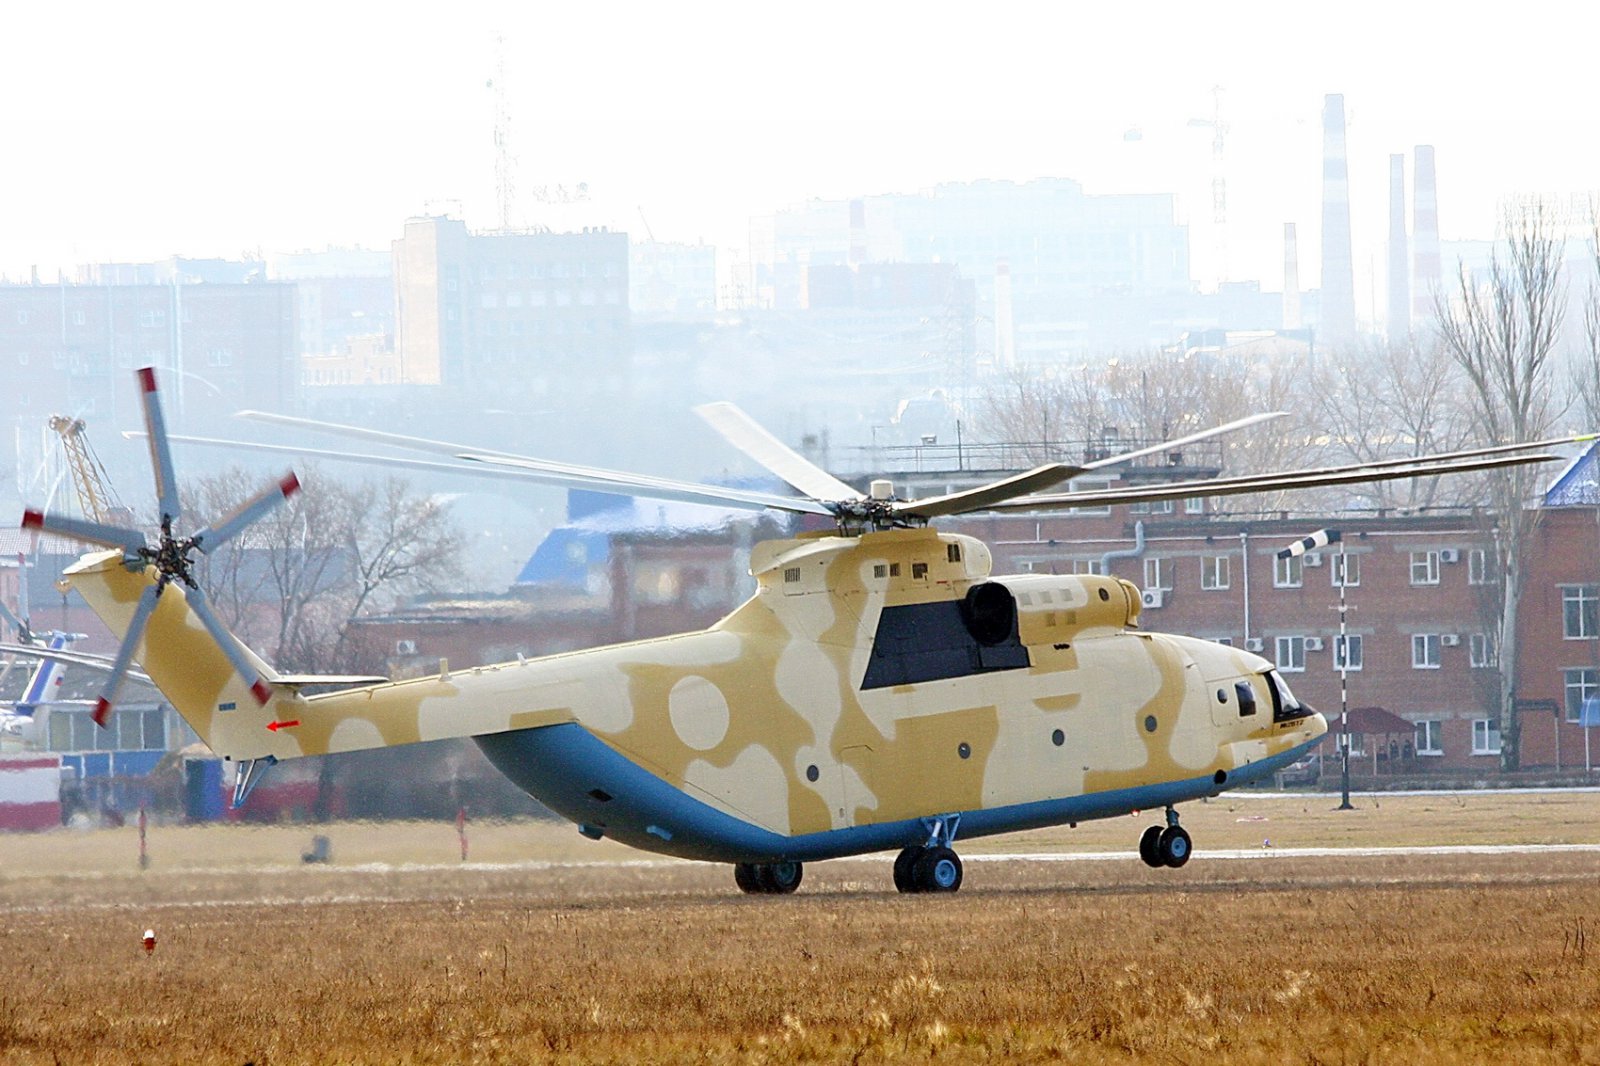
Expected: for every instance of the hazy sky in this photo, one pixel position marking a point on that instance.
(132, 132)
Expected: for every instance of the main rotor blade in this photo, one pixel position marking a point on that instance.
(398, 440)
(130, 644)
(211, 538)
(984, 497)
(1293, 479)
(109, 536)
(230, 647)
(88, 660)
(155, 425)
(1192, 438)
(655, 488)
(752, 438)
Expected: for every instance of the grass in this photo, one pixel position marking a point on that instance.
(1409, 958)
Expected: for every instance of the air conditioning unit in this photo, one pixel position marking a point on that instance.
(1313, 558)
(1152, 598)
(1449, 555)
(1313, 644)
(1253, 644)
(1450, 640)
(405, 647)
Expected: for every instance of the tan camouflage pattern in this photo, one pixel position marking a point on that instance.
(736, 715)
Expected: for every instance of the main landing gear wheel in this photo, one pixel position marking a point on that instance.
(1150, 847)
(1173, 847)
(768, 878)
(934, 869)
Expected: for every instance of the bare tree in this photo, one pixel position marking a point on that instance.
(1586, 376)
(1502, 332)
(1395, 402)
(291, 584)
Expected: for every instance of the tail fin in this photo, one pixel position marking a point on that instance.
(186, 662)
(46, 679)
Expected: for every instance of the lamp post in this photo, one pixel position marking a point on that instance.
(1321, 539)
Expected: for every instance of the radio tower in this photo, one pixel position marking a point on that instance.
(505, 161)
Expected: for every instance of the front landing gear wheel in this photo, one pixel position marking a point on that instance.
(1173, 847)
(902, 869)
(936, 870)
(768, 878)
(1150, 847)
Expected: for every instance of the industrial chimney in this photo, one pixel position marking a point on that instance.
(1338, 276)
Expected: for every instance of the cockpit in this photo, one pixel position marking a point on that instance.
(1286, 707)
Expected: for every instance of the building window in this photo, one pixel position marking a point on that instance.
(1477, 567)
(1425, 651)
(1485, 736)
(1288, 573)
(1089, 485)
(1481, 650)
(1580, 612)
(1345, 570)
(1582, 683)
(152, 318)
(1425, 568)
(1355, 644)
(1086, 566)
(1429, 740)
(1215, 572)
(1152, 507)
(1158, 573)
(1292, 654)
(1194, 505)
(78, 317)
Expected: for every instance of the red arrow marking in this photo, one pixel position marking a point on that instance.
(275, 726)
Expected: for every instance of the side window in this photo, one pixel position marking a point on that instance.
(1247, 698)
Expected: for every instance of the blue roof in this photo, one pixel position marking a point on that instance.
(1579, 483)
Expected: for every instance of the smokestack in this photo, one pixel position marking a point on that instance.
(858, 233)
(1399, 318)
(1338, 276)
(1426, 272)
(1005, 337)
(1291, 278)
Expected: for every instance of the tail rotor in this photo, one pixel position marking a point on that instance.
(171, 555)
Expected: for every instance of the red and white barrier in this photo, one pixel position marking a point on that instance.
(30, 792)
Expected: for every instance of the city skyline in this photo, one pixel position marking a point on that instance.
(200, 133)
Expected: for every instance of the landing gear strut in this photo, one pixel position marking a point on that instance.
(768, 878)
(934, 866)
(1167, 845)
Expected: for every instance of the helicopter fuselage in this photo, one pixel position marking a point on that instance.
(877, 691)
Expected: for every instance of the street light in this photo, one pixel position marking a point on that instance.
(1321, 539)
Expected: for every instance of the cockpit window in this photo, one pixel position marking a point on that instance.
(1247, 698)
(1284, 704)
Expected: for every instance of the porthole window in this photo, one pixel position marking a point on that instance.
(1058, 738)
(1222, 695)
(812, 773)
(964, 750)
(1150, 723)
(1104, 595)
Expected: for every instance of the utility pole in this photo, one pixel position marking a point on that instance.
(1321, 539)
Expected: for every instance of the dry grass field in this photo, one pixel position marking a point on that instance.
(550, 948)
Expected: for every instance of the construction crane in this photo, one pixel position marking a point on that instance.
(98, 502)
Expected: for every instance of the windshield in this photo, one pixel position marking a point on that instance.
(1284, 703)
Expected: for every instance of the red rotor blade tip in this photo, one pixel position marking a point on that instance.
(261, 691)
(102, 711)
(32, 519)
(289, 485)
(147, 378)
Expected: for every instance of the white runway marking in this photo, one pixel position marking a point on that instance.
(1295, 853)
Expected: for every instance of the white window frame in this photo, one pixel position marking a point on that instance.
(1290, 653)
(1087, 485)
(1288, 573)
(1481, 651)
(1194, 505)
(1577, 684)
(1357, 645)
(1425, 653)
(1485, 732)
(1477, 566)
(1430, 732)
(1586, 600)
(1158, 573)
(1425, 567)
(1216, 572)
(1087, 566)
(1340, 563)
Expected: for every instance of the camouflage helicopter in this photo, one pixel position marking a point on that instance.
(882, 689)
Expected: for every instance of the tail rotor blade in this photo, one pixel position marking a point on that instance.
(129, 540)
(155, 425)
(230, 647)
(214, 536)
(130, 644)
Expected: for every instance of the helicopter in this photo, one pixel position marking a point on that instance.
(882, 690)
